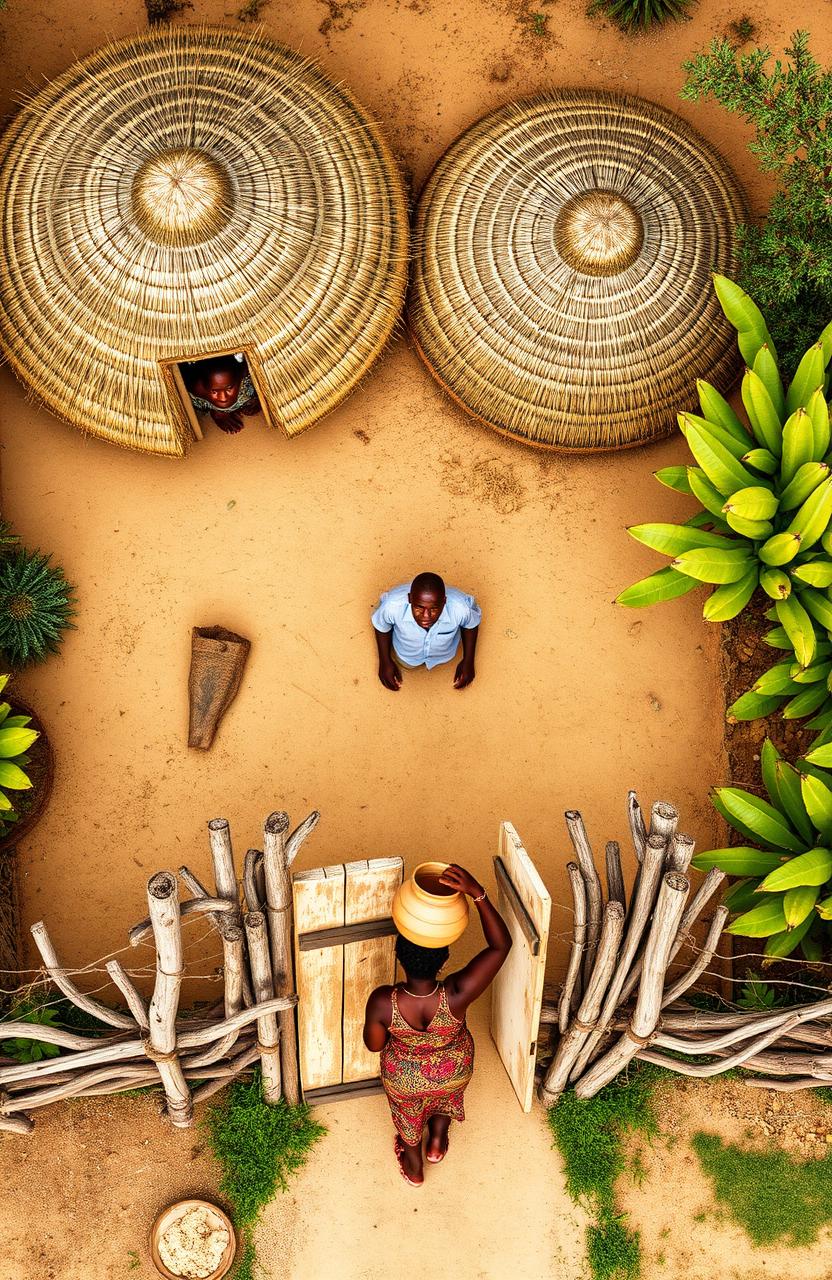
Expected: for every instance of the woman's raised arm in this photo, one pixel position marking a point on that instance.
(469, 983)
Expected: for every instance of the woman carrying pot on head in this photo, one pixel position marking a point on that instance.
(419, 1028)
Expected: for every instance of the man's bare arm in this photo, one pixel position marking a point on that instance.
(465, 671)
(388, 672)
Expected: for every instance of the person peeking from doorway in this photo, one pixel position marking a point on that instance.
(420, 624)
(222, 387)
(419, 1028)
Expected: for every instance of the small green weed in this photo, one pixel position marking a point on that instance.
(133, 1260)
(743, 29)
(589, 1133)
(774, 1197)
(259, 1147)
(638, 1169)
(161, 10)
(249, 12)
(31, 1009)
(535, 22)
(758, 995)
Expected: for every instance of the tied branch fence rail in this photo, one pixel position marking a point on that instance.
(150, 1043)
(618, 1001)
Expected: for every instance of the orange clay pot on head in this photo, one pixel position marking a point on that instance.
(427, 912)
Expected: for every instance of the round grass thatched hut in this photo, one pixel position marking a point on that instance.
(188, 192)
(562, 283)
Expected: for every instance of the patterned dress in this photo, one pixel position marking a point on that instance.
(424, 1073)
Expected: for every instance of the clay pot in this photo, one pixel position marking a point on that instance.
(427, 912)
(178, 1210)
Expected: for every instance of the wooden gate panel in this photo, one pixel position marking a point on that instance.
(344, 947)
(370, 963)
(517, 992)
(319, 904)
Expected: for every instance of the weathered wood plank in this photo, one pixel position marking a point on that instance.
(385, 928)
(319, 904)
(517, 992)
(369, 962)
(341, 1092)
(523, 918)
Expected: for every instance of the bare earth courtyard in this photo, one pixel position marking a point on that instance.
(289, 543)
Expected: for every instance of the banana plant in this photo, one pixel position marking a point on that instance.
(15, 740)
(765, 492)
(784, 893)
(797, 692)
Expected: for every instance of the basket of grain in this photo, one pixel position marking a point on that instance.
(192, 1240)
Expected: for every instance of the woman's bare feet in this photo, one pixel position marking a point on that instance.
(437, 1147)
(409, 1161)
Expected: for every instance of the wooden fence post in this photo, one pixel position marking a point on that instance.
(160, 1045)
(268, 1038)
(279, 908)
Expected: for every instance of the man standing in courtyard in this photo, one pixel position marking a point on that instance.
(420, 623)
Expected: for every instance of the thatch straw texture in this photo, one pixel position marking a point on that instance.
(188, 191)
(562, 288)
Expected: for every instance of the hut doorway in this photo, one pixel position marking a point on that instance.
(188, 380)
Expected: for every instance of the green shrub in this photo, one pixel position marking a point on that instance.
(774, 1198)
(36, 607)
(785, 263)
(785, 893)
(634, 16)
(259, 1147)
(589, 1134)
(765, 490)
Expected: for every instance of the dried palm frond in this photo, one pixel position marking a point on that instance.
(186, 191)
(562, 279)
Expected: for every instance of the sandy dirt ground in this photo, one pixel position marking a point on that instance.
(289, 543)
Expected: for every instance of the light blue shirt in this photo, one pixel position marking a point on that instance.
(413, 643)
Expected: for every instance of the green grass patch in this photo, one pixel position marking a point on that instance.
(259, 1147)
(774, 1198)
(589, 1134)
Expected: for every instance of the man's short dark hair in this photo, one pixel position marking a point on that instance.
(430, 582)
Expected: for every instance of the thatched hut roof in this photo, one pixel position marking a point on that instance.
(185, 192)
(563, 258)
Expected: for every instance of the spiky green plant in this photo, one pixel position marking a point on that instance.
(634, 16)
(765, 491)
(36, 607)
(785, 891)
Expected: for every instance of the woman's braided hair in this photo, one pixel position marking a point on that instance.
(420, 962)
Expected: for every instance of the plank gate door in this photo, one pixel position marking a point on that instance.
(344, 948)
(517, 994)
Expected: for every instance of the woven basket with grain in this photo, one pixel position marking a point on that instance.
(563, 258)
(185, 192)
